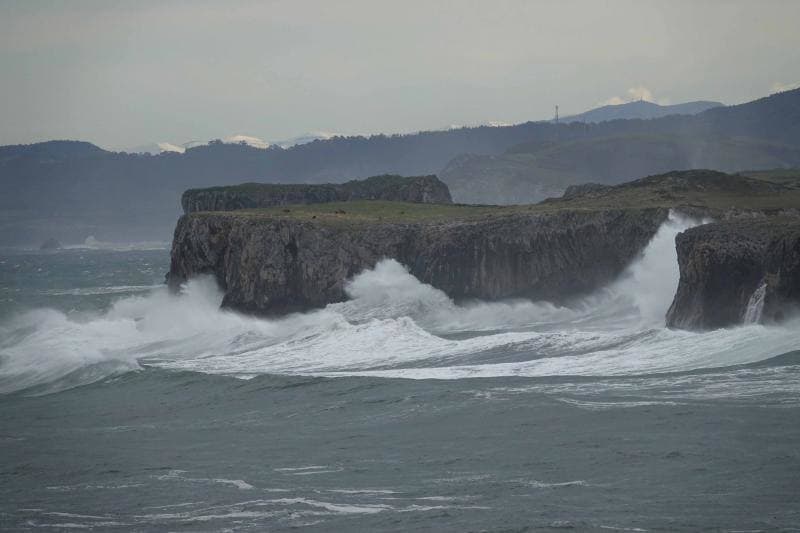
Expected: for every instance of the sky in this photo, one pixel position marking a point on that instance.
(123, 74)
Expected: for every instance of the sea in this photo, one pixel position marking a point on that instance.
(124, 407)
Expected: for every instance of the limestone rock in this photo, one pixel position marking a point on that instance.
(270, 264)
(723, 265)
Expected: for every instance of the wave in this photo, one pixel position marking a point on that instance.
(90, 243)
(93, 291)
(392, 325)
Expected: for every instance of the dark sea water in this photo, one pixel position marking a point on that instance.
(125, 408)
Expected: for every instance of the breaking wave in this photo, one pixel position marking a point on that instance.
(392, 326)
(91, 243)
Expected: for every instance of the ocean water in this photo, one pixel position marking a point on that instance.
(123, 407)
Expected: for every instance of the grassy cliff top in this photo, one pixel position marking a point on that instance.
(376, 211)
(258, 188)
(692, 188)
(697, 189)
(375, 183)
(789, 177)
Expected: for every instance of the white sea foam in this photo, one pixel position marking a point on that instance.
(90, 291)
(392, 326)
(238, 483)
(755, 306)
(91, 243)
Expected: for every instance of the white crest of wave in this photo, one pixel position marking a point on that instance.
(45, 345)
(91, 243)
(389, 291)
(642, 295)
(392, 325)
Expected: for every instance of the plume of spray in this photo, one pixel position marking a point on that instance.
(650, 282)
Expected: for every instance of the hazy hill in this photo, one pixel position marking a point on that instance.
(534, 171)
(70, 190)
(763, 134)
(640, 109)
(49, 150)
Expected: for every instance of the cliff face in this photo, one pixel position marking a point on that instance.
(273, 264)
(424, 189)
(297, 257)
(737, 271)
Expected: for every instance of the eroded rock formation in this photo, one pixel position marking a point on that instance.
(729, 268)
(271, 264)
(299, 257)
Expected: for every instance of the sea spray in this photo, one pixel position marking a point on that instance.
(650, 282)
(755, 305)
(641, 295)
(392, 325)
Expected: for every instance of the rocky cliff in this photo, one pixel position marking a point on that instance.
(425, 189)
(275, 262)
(737, 271)
(287, 258)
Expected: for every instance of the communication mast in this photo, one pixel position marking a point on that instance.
(555, 130)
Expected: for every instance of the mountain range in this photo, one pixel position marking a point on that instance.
(71, 190)
(640, 109)
(249, 140)
(637, 109)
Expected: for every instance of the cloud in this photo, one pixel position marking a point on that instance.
(779, 87)
(640, 93)
(633, 94)
(614, 100)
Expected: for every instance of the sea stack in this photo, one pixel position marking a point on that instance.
(736, 272)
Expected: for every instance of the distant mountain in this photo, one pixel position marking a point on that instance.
(531, 172)
(249, 140)
(156, 148)
(641, 109)
(49, 150)
(162, 147)
(306, 138)
(761, 134)
(69, 190)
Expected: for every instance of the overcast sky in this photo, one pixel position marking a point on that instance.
(122, 74)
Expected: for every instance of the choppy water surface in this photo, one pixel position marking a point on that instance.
(124, 407)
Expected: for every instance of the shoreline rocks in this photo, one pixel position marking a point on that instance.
(298, 257)
(735, 271)
(272, 265)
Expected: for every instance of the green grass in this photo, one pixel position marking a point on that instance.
(373, 183)
(645, 197)
(707, 190)
(257, 188)
(370, 211)
(789, 177)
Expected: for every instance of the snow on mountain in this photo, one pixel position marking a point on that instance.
(156, 148)
(249, 140)
(169, 147)
(306, 138)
